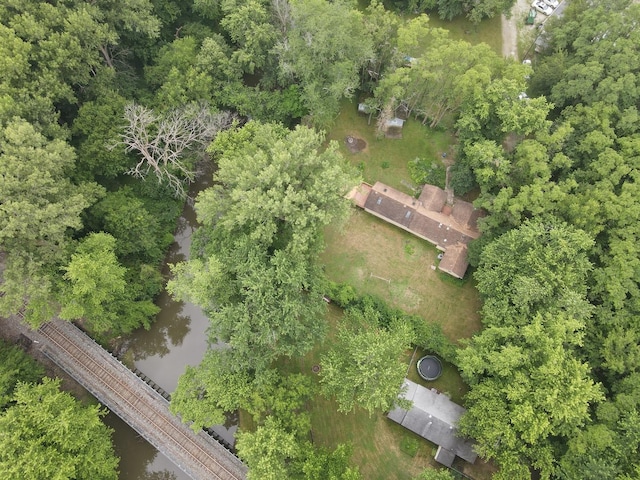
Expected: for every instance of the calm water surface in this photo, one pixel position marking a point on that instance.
(176, 339)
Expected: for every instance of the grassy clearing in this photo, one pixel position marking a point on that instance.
(449, 382)
(375, 440)
(382, 449)
(489, 31)
(378, 258)
(386, 159)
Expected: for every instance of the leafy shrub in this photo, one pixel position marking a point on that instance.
(409, 248)
(430, 337)
(462, 179)
(427, 335)
(342, 294)
(424, 171)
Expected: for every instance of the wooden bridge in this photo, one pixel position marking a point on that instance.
(139, 405)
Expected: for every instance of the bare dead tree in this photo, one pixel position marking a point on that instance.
(169, 145)
(282, 12)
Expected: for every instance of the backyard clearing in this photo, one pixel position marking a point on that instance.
(383, 260)
(376, 440)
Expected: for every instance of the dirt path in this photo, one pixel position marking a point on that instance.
(510, 28)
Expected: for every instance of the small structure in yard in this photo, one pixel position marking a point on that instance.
(429, 367)
(410, 61)
(395, 122)
(435, 417)
(391, 127)
(449, 227)
(364, 109)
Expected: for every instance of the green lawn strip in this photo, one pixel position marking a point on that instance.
(450, 383)
(409, 445)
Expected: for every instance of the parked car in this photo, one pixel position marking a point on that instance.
(542, 7)
(552, 3)
(531, 18)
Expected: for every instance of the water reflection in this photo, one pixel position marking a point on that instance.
(177, 339)
(171, 327)
(138, 459)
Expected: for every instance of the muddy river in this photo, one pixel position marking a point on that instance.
(176, 339)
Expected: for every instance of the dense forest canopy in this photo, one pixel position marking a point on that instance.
(107, 110)
(559, 254)
(47, 433)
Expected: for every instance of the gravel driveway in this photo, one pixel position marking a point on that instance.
(510, 28)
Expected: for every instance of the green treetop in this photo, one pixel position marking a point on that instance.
(48, 434)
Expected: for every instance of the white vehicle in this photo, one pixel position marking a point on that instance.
(552, 3)
(542, 7)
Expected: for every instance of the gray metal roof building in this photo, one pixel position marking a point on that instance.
(435, 417)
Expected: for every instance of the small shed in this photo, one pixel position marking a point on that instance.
(410, 61)
(394, 123)
(393, 127)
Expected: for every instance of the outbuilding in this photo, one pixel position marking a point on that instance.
(434, 417)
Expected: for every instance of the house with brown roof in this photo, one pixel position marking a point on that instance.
(450, 227)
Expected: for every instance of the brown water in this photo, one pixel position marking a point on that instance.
(176, 339)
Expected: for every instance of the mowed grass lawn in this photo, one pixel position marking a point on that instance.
(378, 258)
(489, 31)
(376, 440)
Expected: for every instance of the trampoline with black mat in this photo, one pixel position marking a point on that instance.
(429, 367)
